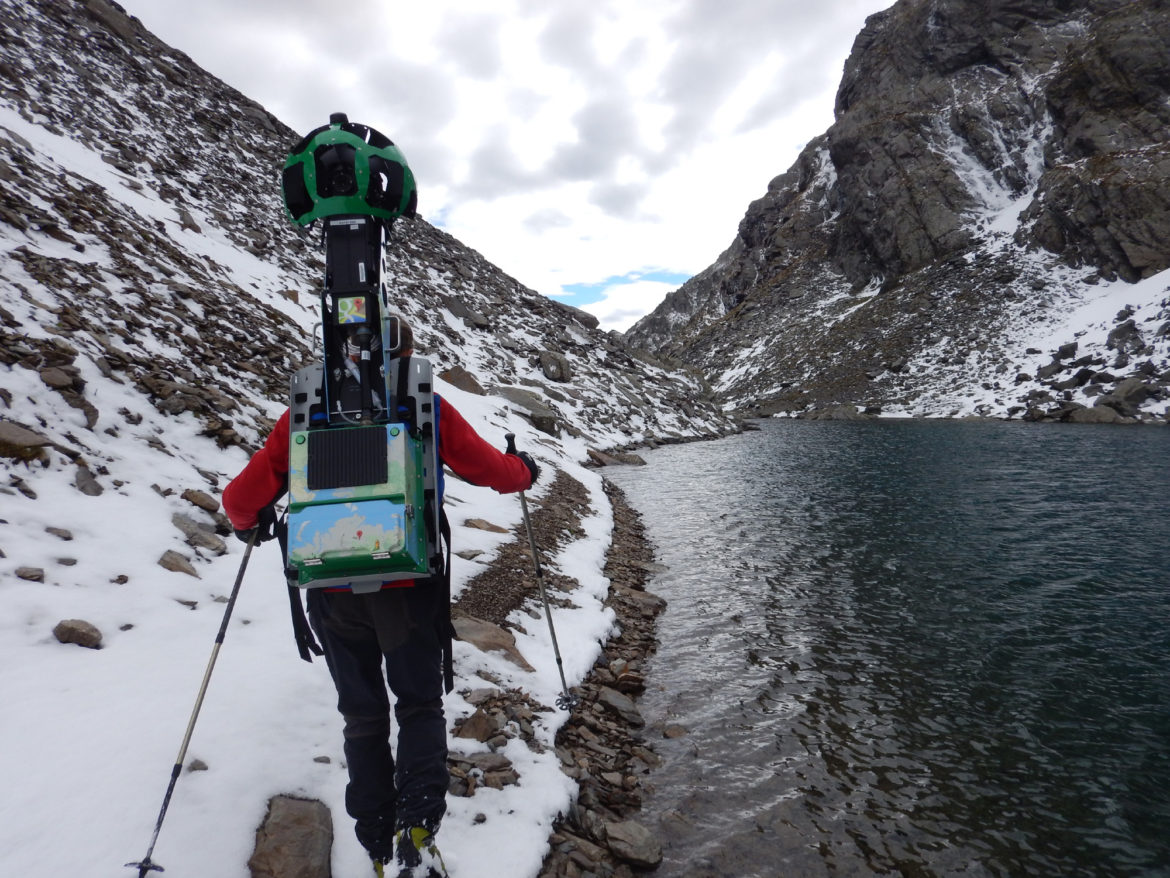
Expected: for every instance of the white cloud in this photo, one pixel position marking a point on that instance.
(622, 304)
(566, 142)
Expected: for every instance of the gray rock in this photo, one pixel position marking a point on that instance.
(86, 483)
(201, 499)
(198, 534)
(57, 378)
(294, 841)
(632, 842)
(78, 631)
(31, 574)
(622, 705)
(543, 417)
(615, 458)
(583, 317)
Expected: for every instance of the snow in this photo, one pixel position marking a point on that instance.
(1074, 311)
(88, 737)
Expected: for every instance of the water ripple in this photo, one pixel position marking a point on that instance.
(913, 649)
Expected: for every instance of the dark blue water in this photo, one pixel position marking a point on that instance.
(912, 648)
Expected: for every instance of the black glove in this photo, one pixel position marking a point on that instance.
(530, 463)
(265, 528)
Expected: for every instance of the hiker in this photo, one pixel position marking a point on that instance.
(398, 631)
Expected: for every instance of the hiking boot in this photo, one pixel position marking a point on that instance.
(380, 868)
(417, 856)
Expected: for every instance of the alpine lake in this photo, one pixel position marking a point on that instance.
(910, 648)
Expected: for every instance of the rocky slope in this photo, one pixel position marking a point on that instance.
(995, 189)
(144, 243)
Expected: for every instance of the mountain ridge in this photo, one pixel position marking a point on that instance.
(155, 199)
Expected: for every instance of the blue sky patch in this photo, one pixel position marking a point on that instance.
(585, 294)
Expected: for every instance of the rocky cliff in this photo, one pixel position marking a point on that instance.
(981, 230)
(144, 246)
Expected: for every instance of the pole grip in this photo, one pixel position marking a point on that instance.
(511, 439)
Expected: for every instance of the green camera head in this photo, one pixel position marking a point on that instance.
(344, 169)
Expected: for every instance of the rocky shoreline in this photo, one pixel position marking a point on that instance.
(602, 745)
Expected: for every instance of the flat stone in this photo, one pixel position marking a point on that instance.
(199, 534)
(489, 637)
(459, 377)
(86, 483)
(21, 443)
(294, 841)
(481, 524)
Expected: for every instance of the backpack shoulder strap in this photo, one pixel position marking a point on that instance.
(446, 628)
(307, 645)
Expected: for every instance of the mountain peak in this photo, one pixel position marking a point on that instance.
(993, 171)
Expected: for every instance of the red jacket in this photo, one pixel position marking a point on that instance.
(460, 448)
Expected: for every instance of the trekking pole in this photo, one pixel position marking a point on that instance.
(145, 865)
(566, 700)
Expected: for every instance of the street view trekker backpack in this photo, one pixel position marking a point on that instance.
(364, 475)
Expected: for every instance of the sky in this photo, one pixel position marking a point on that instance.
(599, 152)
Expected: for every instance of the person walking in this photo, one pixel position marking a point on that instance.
(392, 637)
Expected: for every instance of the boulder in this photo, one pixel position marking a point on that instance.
(542, 416)
(1098, 414)
(555, 366)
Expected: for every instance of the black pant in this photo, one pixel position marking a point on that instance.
(358, 632)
